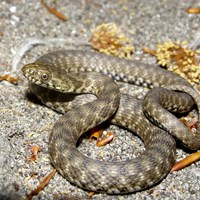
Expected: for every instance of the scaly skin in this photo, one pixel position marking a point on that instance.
(57, 73)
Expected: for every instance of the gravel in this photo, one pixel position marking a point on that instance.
(24, 123)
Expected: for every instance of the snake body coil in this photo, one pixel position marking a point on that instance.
(74, 71)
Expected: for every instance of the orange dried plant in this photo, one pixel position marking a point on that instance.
(109, 39)
(178, 58)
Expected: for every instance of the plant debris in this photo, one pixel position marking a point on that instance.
(9, 78)
(54, 11)
(44, 182)
(109, 39)
(194, 157)
(34, 151)
(193, 10)
(192, 124)
(91, 194)
(178, 58)
(96, 132)
(107, 139)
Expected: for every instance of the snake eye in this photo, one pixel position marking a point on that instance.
(44, 76)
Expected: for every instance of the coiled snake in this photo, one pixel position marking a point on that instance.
(75, 71)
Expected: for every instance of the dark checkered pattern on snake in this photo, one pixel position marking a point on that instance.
(54, 75)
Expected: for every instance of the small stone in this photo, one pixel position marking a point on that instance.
(13, 9)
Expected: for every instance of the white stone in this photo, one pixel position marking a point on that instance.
(13, 9)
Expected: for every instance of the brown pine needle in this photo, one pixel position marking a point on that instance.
(54, 11)
(149, 51)
(108, 138)
(44, 182)
(194, 157)
(10, 79)
(193, 10)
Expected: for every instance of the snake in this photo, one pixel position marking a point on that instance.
(62, 80)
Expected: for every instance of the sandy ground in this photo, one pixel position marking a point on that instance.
(23, 123)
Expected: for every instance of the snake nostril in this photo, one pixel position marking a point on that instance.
(31, 71)
(28, 70)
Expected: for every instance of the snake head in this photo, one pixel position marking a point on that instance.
(37, 73)
(47, 76)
